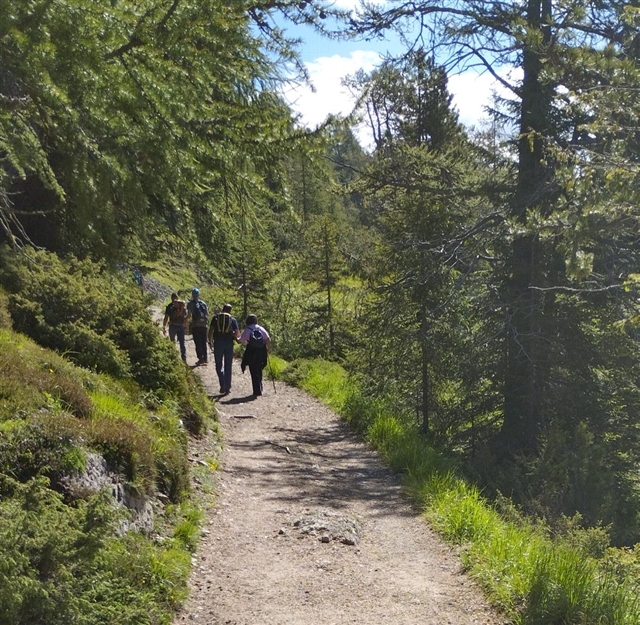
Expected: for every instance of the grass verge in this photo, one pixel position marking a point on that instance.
(534, 579)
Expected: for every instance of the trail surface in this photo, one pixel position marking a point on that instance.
(308, 527)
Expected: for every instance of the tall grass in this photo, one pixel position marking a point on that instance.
(532, 578)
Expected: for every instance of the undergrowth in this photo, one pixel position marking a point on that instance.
(64, 557)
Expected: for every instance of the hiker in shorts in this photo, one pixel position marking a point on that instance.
(223, 333)
(198, 318)
(255, 356)
(175, 314)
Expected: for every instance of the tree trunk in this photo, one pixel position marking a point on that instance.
(424, 328)
(327, 269)
(523, 377)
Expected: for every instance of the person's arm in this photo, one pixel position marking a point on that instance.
(164, 321)
(267, 338)
(244, 337)
(236, 331)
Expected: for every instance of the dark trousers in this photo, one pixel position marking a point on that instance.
(256, 377)
(177, 332)
(200, 339)
(223, 354)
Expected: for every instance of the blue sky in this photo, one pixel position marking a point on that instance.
(328, 61)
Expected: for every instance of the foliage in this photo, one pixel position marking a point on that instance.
(136, 128)
(64, 557)
(95, 318)
(51, 413)
(503, 303)
(320, 378)
(64, 564)
(276, 367)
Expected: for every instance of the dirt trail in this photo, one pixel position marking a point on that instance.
(310, 528)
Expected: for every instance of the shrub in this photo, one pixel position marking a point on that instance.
(61, 564)
(5, 317)
(95, 318)
(127, 448)
(41, 444)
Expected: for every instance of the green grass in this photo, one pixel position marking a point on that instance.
(321, 378)
(275, 368)
(67, 561)
(532, 578)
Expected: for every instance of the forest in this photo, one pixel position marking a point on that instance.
(483, 284)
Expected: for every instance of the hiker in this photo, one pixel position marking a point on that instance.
(198, 318)
(223, 332)
(255, 356)
(176, 315)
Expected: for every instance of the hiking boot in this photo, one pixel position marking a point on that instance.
(223, 390)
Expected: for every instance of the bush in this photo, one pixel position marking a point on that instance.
(40, 444)
(5, 317)
(61, 564)
(95, 318)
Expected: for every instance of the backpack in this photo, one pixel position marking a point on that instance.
(200, 312)
(176, 317)
(256, 339)
(221, 324)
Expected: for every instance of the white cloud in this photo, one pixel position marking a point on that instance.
(347, 5)
(472, 92)
(350, 5)
(330, 97)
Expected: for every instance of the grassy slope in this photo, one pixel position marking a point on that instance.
(63, 559)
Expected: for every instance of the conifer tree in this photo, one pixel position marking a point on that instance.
(570, 56)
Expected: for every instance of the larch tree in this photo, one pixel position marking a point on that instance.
(569, 59)
(415, 191)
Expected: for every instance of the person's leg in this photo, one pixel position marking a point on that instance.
(200, 339)
(172, 333)
(196, 342)
(256, 379)
(179, 332)
(201, 346)
(228, 365)
(218, 357)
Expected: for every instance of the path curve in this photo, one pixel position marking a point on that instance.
(309, 528)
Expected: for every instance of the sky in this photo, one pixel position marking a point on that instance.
(329, 61)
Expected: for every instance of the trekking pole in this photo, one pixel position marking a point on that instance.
(273, 379)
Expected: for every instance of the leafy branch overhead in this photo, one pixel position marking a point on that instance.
(127, 116)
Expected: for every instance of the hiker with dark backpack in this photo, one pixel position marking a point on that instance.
(198, 318)
(257, 341)
(223, 333)
(176, 315)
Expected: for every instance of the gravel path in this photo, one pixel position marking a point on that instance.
(308, 527)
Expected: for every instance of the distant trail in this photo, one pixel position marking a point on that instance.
(309, 527)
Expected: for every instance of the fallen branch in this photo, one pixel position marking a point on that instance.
(279, 445)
